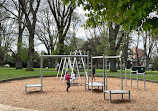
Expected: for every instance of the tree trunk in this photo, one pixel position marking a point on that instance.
(112, 52)
(1, 56)
(30, 52)
(126, 50)
(147, 63)
(18, 57)
(61, 44)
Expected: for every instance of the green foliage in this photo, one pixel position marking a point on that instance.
(9, 60)
(151, 24)
(24, 54)
(91, 46)
(155, 63)
(128, 13)
(74, 43)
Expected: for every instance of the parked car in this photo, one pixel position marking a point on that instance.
(6, 65)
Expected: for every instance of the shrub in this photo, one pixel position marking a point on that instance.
(155, 63)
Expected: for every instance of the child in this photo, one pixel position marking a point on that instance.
(93, 73)
(68, 80)
(73, 77)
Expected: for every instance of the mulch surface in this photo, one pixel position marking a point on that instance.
(55, 97)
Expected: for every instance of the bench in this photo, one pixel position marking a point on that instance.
(110, 92)
(32, 85)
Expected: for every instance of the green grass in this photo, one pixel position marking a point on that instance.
(9, 73)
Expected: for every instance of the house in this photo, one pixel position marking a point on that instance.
(135, 57)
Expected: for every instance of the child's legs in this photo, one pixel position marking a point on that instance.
(94, 76)
(68, 85)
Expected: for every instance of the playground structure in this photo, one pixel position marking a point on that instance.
(92, 84)
(53, 56)
(72, 65)
(138, 70)
(110, 92)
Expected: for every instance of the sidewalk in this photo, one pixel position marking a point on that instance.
(11, 108)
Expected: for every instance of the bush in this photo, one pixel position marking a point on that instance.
(155, 64)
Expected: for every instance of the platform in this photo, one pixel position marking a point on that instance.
(95, 84)
(117, 92)
(32, 85)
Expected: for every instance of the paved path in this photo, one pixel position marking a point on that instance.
(11, 108)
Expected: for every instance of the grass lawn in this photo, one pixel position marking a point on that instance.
(8, 73)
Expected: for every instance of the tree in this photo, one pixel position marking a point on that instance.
(6, 34)
(149, 41)
(149, 38)
(92, 43)
(126, 13)
(75, 43)
(46, 31)
(21, 28)
(12, 6)
(125, 48)
(30, 9)
(129, 14)
(62, 14)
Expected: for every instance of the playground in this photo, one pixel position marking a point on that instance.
(55, 97)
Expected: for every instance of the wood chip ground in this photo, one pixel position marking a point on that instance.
(55, 97)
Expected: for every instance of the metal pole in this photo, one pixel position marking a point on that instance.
(104, 76)
(59, 66)
(137, 78)
(63, 69)
(83, 62)
(85, 70)
(125, 77)
(121, 75)
(131, 77)
(91, 74)
(144, 81)
(110, 96)
(51, 56)
(88, 68)
(129, 95)
(41, 72)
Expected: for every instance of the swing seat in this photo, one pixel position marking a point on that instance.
(72, 80)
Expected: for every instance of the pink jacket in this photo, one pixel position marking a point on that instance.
(68, 77)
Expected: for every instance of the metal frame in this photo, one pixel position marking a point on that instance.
(83, 59)
(121, 73)
(50, 56)
(137, 73)
(105, 84)
(126, 76)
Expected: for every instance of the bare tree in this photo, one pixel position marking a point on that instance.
(46, 31)
(11, 6)
(126, 48)
(62, 14)
(30, 9)
(6, 37)
(72, 40)
(149, 41)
